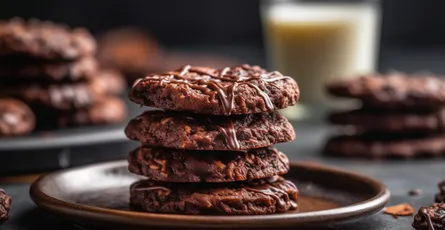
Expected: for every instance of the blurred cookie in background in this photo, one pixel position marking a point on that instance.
(402, 115)
(16, 118)
(53, 69)
(130, 51)
(53, 97)
(36, 39)
(108, 110)
(5, 205)
(393, 91)
(108, 82)
(19, 72)
(135, 54)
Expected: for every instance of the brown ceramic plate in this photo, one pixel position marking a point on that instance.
(99, 194)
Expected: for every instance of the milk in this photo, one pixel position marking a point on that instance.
(317, 43)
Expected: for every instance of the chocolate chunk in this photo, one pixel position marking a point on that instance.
(44, 40)
(238, 90)
(203, 132)
(173, 165)
(267, 196)
(430, 218)
(393, 91)
(15, 118)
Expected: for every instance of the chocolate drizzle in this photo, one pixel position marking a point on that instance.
(229, 134)
(283, 158)
(424, 212)
(264, 95)
(269, 188)
(141, 186)
(430, 216)
(222, 83)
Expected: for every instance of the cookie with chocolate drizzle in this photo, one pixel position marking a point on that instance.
(266, 196)
(16, 118)
(430, 218)
(174, 165)
(204, 132)
(243, 89)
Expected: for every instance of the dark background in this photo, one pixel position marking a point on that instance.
(412, 31)
(417, 23)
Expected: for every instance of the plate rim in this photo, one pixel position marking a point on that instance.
(98, 214)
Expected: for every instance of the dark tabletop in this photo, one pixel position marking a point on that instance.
(399, 175)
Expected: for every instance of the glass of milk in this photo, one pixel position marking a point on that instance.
(319, 41)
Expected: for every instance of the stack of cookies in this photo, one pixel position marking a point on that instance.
(52, 69)
(210, 151)
(401, 116)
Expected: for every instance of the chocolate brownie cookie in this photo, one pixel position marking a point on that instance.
(108, 82)
(393, 91)
(386, 145)
(108, 110)
(430, 218)
(5, 205)
(130, 51)
(238, 90)
(440, 197)
(366, 120)
(18, 73)
(266, 196)
(66, 97)
(15, 118)
(204, 132)
(173, 165)
(44, 40)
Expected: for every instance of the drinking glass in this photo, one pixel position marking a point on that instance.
(317, 41)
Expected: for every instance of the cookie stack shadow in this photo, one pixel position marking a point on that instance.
(401, 116)
(209, 151)
(52, 69)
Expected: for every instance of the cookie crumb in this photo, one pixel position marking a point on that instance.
(400, 210)
(440, 196)
(415, 192)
